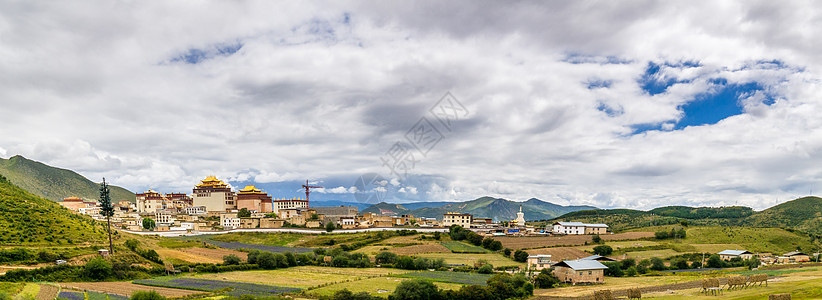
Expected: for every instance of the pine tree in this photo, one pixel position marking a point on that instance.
(107, 210)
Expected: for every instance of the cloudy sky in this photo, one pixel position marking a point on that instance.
(615, 104)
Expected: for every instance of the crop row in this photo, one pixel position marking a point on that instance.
(234, 288)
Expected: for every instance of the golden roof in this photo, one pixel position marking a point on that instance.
(212, 181)
(250, 189)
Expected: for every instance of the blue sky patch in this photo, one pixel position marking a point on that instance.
(652, 82)
(608, 110)
(195, 56)
(713, 106)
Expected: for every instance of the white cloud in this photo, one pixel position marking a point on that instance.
(323, 91)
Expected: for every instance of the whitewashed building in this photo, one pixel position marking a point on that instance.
(579, 228)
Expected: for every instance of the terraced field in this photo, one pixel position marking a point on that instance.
(458, 247)
(126, 288)
(235, 288)
(379, 286)
(301, 277)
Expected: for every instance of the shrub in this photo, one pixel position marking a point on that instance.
(603, 250)
(520, 256)
(486, 269)
(507, 251)
(545, 279)
(146, 295)
(231, 259)
(97, 269)
(614, 269)
(657, 264)
(416, 289)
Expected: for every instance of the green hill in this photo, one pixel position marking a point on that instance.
(485, 207)
(804, 214)
(54, 183)
(26, 219)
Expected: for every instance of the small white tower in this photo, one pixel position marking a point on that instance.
(520, 217)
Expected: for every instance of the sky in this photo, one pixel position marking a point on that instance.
(628, 104)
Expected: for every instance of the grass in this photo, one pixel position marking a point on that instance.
(261, 238)
(300, 277)
(372, 286)
(177, 243)
(452, 277)
(29, 290)
(774, 240)
(458, 247)
(640, 255)
(11, 288)
(497, 260)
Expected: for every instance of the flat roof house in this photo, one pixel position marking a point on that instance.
(580, 271)
(539, 262)
(731, 254)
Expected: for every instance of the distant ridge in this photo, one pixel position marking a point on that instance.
(54, 183)
(484, 207)
(802, 214)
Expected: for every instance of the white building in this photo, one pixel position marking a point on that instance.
(579, 228)
(230, 223)
(195, 210)
(452, 218)
(215, 195)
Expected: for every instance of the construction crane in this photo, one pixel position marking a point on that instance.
(307, 190)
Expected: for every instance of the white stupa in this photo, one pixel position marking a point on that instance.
(520, 217)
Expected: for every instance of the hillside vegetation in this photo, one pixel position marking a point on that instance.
(803, 214)
(26, 219)
(54, 183)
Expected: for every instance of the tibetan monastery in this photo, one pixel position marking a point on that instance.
(215, 195)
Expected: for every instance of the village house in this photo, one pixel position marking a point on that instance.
(253, 199)
(453, 218)
(539, 262)
(793, 257)
(580, 271)
(731, 254)
(579, 228)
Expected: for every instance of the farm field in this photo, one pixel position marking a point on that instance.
(497, 260)
(300, 277)
(126, 288)
(560, 253)
(452, 277)
(774, 240)
(622, 244)
(567, 240)
(236, 288)
(200, 255)
(716, 248)
(458, 247)
(640, 255)
(418, 249)
(47, 292)
(803, 284)
(373, 286)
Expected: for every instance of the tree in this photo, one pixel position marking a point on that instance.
(244, 213)
(596, 239)
(495, 246)
(680, 264)
(107, 210)
(507, 251)
(486, 269)
(545, 279)
(657, 264)
(146, 295)
(149, 224)
(628, 262)
(416, 289)
(330, 226)
(520, 256)
(386, 258)
(603, 250)
(97, 269)
(714, 261)
(614, 269)
(231, 259)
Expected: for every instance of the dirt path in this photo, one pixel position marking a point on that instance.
(48, 292)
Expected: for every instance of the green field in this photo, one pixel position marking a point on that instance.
(497, 260)
(261, 238)
(458, 247)
(379, 286)
(301, 277)
(640, 255)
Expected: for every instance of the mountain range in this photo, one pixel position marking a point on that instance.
(54, 183)
(485, 207)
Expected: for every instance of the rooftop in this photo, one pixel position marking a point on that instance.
(580, 265)
(734, 252)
